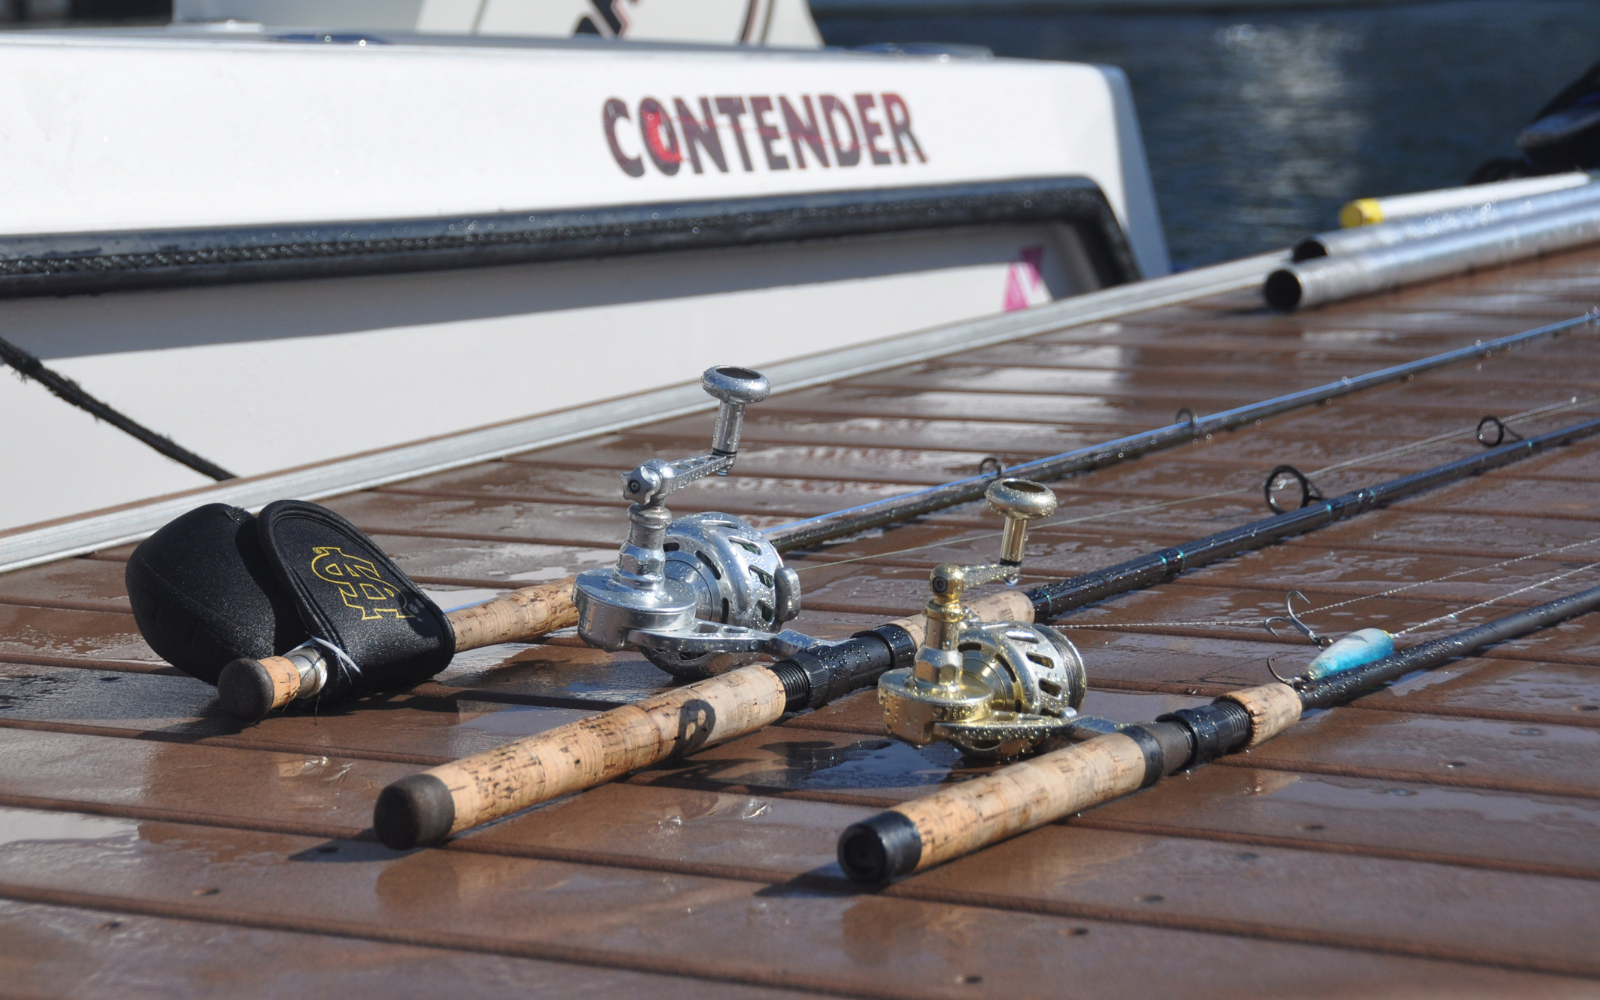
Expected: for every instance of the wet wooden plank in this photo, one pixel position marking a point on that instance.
(430, 725)
(674, 924)
(56, 636)
(69, 584)
(1371, 904)
(114, 955)
(1461, 753)
(1405, 821)
(1486, 379)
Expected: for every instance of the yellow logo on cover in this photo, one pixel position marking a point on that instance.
(359, 583)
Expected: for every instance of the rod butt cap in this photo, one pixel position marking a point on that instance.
(881, 848)
(246, 690)
(412, 812)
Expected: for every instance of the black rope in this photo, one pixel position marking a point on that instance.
(72, 392)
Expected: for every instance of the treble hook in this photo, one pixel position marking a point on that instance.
(1272, 668)
(1292, 619)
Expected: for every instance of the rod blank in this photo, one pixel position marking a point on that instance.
(811, 531)
(1054, 599)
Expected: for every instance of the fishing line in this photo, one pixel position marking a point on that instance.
(1496, 600)
(1253, 622)
(1575, 402)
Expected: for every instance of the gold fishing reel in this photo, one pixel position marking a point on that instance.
(994, 690)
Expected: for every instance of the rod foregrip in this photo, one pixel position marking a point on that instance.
(1272, 708)
(962, 818)
(515, 617)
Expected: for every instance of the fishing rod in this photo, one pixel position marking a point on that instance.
(217, 591)
(1281, 475)
(695, 594)
(890, 510)
(1116, 760)
(702, 594)
(299, 604)
(1054, 599)
(984, 689)
(426, 808)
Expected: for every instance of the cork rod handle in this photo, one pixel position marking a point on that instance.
(962, 818)
(1018, 798)
(515, 617)
(428, 807)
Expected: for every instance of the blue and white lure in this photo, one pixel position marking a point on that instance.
(1357, 649)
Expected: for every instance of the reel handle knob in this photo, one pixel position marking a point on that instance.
(735, 388)
(1021, 501)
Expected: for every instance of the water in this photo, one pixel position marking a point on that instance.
(1258, 127)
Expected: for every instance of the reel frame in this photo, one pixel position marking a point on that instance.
(701, 594)
(993, 690)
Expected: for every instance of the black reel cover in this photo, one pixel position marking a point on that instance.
(204, 593)
(352, 595)
(1563, 136)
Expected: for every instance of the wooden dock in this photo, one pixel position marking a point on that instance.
(1439, 838)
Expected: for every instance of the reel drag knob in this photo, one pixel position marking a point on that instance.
(735, 388)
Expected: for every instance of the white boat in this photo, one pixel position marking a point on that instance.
(279, 244)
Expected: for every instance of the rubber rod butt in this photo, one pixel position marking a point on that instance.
(880, 849)
(248, 690)
(412, 812)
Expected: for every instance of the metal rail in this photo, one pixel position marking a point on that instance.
(1386, 234)
(1330, 279)
(811, 531)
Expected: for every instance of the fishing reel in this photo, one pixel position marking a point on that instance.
(994, 690)
(700, 594)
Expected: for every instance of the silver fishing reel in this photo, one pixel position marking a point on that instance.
(700, 594)
(994, 690)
